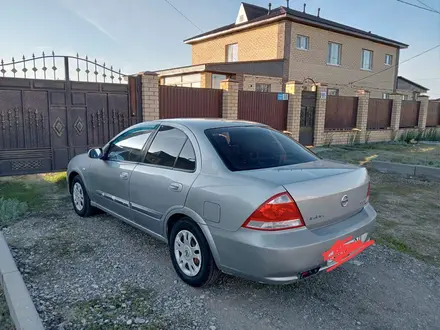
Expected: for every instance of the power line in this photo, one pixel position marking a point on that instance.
(176, 9)
(393, 66)
(424, 4)
(420, 7)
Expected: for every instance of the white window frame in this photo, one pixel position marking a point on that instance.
(391, 59)
(363, 62)
(234, 49)
(300, 38)
(329, 52)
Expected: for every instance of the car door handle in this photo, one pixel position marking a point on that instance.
(175, 186)
(123, 175)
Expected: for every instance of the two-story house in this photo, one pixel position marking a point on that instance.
(265, 48)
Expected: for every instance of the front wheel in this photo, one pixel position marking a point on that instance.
(80, 198)
(190, 254)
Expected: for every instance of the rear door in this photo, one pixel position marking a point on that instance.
(161, 182)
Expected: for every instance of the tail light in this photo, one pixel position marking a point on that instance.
(367, 200)
(278, 213)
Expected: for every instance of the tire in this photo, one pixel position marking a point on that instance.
(206, 272)
(83, 209)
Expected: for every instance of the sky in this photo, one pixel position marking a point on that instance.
(147, 35)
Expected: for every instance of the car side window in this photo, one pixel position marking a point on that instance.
(128, 146)
(166, 146)
(187, 158)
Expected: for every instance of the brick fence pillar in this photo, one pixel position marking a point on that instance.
(395, 114)
(294, 108)
(230, 98)
(321, 104)
(423, 112)
(150, 96)
(362, 115)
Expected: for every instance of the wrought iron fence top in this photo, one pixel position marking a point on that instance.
(49, 63)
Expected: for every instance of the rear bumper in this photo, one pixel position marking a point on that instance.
(279, 257)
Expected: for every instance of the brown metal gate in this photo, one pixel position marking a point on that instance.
(188, 102)
(45, 122)
(307, 118)
(263, 108)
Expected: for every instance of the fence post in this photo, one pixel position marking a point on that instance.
(294, 89)
(423, 111)
(395, 114)
(321, 104)
(362, 114)
(150, 96)
(230, 98)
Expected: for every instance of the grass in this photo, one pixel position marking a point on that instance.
(23, 194)
(5, 319)
(131, 302)
(407, 215)
(415, 154)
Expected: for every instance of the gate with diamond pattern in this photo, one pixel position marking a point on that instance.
(45, 122)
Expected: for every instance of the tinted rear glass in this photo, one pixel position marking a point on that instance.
(253, 147)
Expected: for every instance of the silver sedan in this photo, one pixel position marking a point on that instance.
(227, 196)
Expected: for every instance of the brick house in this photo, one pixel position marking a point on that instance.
(409, 89)
(302, 47)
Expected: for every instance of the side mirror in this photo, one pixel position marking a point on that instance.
(96, 153)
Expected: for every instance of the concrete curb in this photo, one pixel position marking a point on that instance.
(22, 309)
(407, 169)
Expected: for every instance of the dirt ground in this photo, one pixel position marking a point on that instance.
(99, 273)
(415, 154)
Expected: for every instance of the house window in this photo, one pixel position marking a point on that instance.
(388, 59)
(216, 80)
(302, 42)
(367, 59)
(262, 87)
(334, 53)
(232, 53)
(189, 80)
(333, 91)
(385, 95)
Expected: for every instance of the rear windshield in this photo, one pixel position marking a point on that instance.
(254, 147)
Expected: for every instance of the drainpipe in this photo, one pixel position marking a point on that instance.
(397, 70)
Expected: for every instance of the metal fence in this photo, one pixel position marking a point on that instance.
(263, 108)
(379, 113)
(409, 114)
(433, 118)
(341, 112)
(189, 102)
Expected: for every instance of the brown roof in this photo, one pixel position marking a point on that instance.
(257, 14)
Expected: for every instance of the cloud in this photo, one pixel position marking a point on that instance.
(89, 20)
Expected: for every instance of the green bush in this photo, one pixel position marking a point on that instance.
(10, 210)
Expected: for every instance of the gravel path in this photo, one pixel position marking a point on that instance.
(100, 273)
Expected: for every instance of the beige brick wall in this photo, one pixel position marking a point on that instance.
(313, 62)
(250, 81)
(257, 44)
(150, 97)
(379, 135)
(336, 137)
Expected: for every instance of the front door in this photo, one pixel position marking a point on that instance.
(109, 177)
(162, 182)
(307, 119)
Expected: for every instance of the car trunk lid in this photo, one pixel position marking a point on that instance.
(325, 192)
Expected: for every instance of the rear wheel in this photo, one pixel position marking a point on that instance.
(80, 198)
(190, 254)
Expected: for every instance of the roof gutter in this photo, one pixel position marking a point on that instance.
(299, 20)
